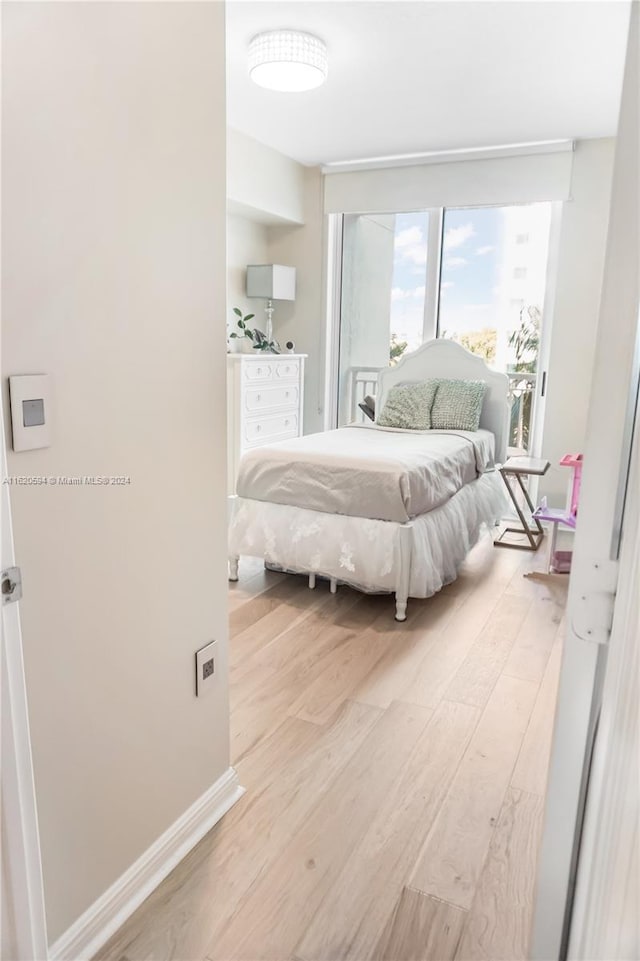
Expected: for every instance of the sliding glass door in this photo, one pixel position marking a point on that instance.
(382, 307)
(475, 275)
(492, 287)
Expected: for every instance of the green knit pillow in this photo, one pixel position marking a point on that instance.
(409, 406)
(458, 404)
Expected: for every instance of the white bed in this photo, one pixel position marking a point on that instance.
(381, 510)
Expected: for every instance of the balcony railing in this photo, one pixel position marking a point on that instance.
(522, 388)
(362, 381)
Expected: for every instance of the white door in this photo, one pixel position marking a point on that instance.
(24, 936)
(594, 574)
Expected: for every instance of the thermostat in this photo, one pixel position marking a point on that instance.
(30, 411)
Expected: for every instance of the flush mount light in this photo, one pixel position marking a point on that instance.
(287, 60)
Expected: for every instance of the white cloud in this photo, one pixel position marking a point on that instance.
(407, 319)
(447, 284)
(451, 262)
(408, 237)
(481, 251)
(415, 254)
(457, 236)
(398, 294)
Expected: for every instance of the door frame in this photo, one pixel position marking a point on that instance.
(23, 888)
(592, 612)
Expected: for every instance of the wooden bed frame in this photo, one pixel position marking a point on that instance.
(441, 359)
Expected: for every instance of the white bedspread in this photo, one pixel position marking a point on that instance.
(369, 471)
(366, 553)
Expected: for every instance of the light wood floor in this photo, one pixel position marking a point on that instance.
(395, 776)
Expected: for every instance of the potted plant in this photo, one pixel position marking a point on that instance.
(261, 342)
(239, 337)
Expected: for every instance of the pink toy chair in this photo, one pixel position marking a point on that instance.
(560, 561)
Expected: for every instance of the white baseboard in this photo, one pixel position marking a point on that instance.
(99, 922)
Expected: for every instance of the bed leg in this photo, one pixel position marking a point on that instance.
(233, 567)
(403, 570)
(333, 585)
(312, 581)
(401, 609)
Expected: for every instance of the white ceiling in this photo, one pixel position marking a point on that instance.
(417, 76)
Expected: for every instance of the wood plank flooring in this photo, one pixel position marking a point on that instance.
(395, 776)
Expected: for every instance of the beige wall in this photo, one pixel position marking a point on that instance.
(261, 182)
(113, 228)
(247, 243)
(304, 320)
(8, 940)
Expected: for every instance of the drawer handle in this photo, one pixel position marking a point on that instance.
(286, 393)
(259, 371)
(258, 398)
(258, 428)
(286, 423)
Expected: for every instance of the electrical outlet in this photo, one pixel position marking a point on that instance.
(205, 668)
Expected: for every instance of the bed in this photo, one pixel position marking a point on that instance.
(380, 509)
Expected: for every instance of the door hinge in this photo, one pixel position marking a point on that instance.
(11, 585)
(593, 616)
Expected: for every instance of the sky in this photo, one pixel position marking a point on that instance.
(470, 271)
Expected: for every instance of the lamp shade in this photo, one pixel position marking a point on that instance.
(271, 281)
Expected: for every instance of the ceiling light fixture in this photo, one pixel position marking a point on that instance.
(288, 60)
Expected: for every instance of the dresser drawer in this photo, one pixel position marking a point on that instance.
(263, 430)
(257, 399)
(254, 372)
(287, 369)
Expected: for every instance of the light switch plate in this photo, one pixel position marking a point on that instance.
(30, 411)
(206, 668)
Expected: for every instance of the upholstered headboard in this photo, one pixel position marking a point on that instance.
(445, 358)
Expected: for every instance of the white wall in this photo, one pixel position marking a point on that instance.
(303, 321)
(582, 245)
(261, 183)
(247, 243)
(113, 226)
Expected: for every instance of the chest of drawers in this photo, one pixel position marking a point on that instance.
(264, 403)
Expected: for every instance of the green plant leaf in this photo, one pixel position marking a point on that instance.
(248, 317)
(233, 334)
(237, 311)
(248, 334)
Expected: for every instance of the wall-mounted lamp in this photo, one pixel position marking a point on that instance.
(271, 282)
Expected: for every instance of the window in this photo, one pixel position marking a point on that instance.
(408, 287)
(476, 275)
(384, 262)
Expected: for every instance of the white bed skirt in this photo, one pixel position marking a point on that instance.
(370, 555)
